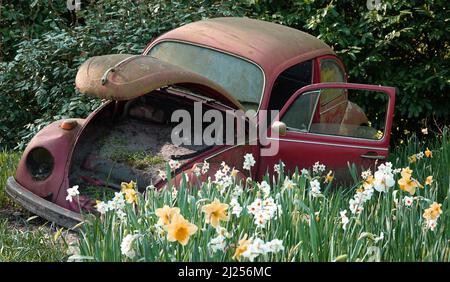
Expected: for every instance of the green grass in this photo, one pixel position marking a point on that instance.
(8, 163)
(29, 243)
(19, 239)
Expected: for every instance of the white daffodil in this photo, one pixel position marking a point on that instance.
(72, 192)
(126, 247)
(408, 201)
(344, 219)
(264, 187)
(249, 161)
(315, 188)
(217, 244)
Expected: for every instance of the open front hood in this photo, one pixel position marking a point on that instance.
(124, 77)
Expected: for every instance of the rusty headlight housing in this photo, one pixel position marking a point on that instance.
(40, 163)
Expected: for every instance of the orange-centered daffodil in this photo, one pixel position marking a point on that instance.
(129, 191)
(428, 153)
(166, 214)
(241, 248)
(215, 212)
(179, 229)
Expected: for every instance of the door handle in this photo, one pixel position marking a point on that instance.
(373, 156)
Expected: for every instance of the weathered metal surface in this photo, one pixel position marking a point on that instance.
(124, 77)
(42, 207)
(265, 43)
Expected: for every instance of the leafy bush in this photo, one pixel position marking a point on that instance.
(402, 43)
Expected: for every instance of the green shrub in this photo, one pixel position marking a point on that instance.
(403, 44)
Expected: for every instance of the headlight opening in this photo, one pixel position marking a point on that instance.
(40, 163)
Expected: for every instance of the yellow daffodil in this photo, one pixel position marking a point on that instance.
(428, 153)
(129, 191)
(412, 159)
(406, 183)
(368, 183)
(429, 180)
(179, 229)
(166, 214)
(433, 211)
(215, 212)
(241, 248)
(329, 177)
(234, 172)
(406, 172)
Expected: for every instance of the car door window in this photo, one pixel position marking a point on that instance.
(298, 116)
(353, 113)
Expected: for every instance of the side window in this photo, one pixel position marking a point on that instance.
(298, 116)
(354, 113)
(289, 81)
(331, 71)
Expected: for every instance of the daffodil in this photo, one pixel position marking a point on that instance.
(215, 212)
(368, 182)
(428, 153)
(129, 191)
(433, 212)
(406, 183)
(166, 214)
(241, 248)
(412, 159)
(179, 229)
(234, 172)
(409, 185)
(406, 172)
(429, 180)
(329, 177)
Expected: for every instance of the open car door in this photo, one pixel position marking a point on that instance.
(335, 124)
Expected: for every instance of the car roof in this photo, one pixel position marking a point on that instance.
(267, 44)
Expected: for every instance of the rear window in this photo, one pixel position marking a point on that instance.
(242, 79)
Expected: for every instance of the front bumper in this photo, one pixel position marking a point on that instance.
(40, 206)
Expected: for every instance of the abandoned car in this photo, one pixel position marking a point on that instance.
(225, 64)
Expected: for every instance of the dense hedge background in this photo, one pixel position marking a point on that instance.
(402, 43)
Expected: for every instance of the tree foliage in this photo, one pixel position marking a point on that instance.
(400, 43)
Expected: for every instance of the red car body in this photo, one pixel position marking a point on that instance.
(269, 47)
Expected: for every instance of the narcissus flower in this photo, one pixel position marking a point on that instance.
(408, 184)
(179, 229)
(72, 192)
(433, 212)
(241, 248)
(249, 161)
(406, 172)
(429, 180)
(428, 153)
(408, 201)
(329, 177)
(215, 212)
(129, 191)
(166, 214)
(126, 247)
(288, 184)
(412, 159)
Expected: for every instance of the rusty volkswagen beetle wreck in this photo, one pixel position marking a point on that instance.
(226, 64)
